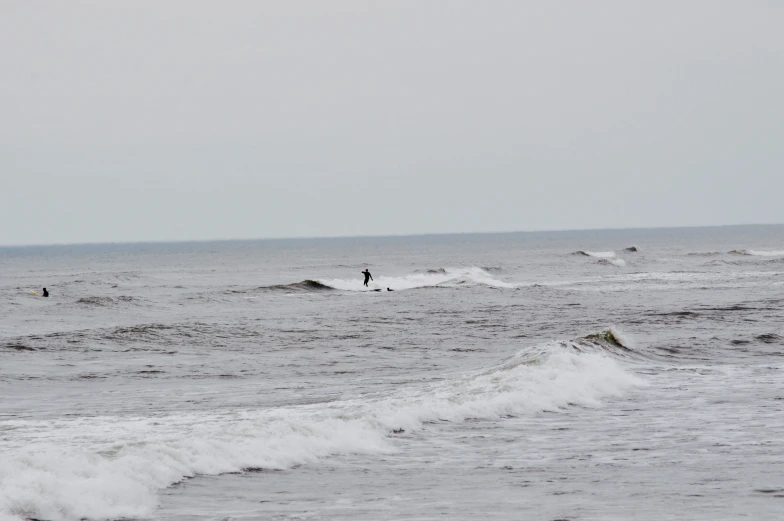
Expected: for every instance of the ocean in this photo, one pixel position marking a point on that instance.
(587, 375)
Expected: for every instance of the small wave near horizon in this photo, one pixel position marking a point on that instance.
(758, 253)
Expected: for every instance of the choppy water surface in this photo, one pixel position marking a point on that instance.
(520, 376)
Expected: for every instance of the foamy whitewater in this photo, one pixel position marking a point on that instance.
(503, 375)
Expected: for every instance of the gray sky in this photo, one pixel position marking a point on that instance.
(156, 120)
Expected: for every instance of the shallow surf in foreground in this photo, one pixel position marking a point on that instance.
(114, 466)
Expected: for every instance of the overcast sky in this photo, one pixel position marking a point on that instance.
(168, 120)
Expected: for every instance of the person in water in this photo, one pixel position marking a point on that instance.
(46, 293)
(367, 275)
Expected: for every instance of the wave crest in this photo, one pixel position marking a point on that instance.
(612, 339)
(305, 285)
(96, 477)
(758, 253)
(597, 254)
(443, 277)
(618, 263)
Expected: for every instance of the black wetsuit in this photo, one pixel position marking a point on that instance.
(368, 276)
(46, 293)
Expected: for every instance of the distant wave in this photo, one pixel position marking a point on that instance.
(305, 285)
(720, 262)
(766, 338)
(597, 254)
(759, 253)
(619, 263)
(118, 477)
(770, 338)
(153, 337)
(105, 301)
(442, 277)
(761, 260)
(18, 346)
(492, 269)
(140, 329)
(607, 258)
(433, 277)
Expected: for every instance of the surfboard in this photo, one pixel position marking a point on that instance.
(34, 292)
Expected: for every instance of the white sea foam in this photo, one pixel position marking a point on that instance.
(759, 253)
(446, 277)
(112, 467)
(600, 254)
(620, 263)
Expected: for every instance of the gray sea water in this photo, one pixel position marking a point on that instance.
(506, 376)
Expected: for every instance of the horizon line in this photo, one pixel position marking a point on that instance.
(401, 235)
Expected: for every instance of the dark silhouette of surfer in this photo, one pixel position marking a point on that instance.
(390, 289)
(46, 293)
(367, 275)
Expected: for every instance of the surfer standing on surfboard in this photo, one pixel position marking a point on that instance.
(367, 275)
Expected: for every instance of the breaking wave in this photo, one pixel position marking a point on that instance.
(444, 277)
(112, 467)
(450, 277)
(597, 254)
(759, 253)
(608, 258)
(619, 263)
